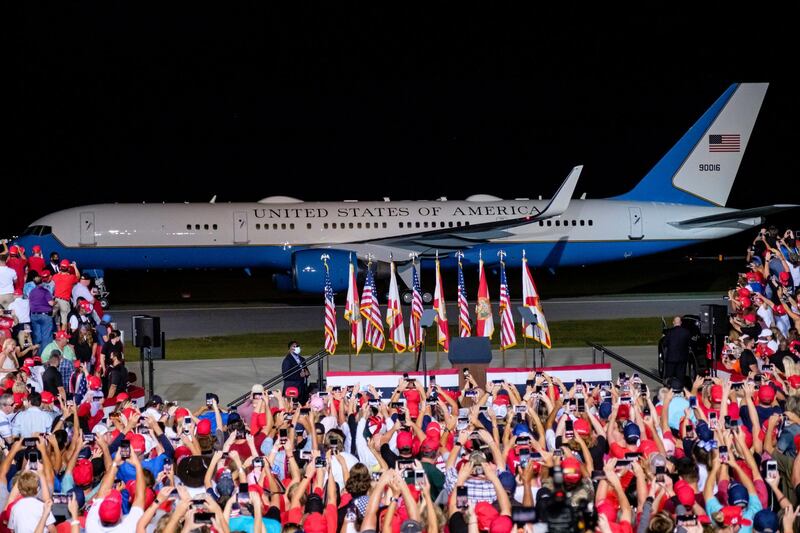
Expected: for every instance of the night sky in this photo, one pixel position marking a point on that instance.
(112, 102)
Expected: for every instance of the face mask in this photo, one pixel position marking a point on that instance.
(296, 350)
(500, 411)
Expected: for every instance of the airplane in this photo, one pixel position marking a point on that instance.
(679, 202)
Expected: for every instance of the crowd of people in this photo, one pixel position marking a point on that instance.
(717, 455)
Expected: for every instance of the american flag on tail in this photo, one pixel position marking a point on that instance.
(415, 332)
(369, 310)
(464, 327)
(352, 312)
(331, 334)
(508, 336)
(530, 298)
(394, 315)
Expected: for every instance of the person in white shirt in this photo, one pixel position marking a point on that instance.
(6, 416)
(7, 278)
(22, 312)
(27, 512)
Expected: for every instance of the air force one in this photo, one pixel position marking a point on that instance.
(679, 202)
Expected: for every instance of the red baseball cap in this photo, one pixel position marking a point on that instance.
(45, 274)
(501, 399)
(750, 317)
(572, 470)
(582, 427)
(64, 263)
(784, 277)
(82, 473)
(181, 412)
(716, 393)
(111, 508)
(13, 250)
(291, 392)
(732, 515)
(646, 447)
(375, 423)
(122, 397)
(746, 302)
(430, 445)
(766, 394)
(137, 442)
(624, 411)
(794, 382)
(36, 248)
(95, 382)
(62, 334)
(685, 493)
(47, 397)
(501, 524)
(181, 452)
(204, 427)
(433, 429)
(486, 514)
(404, 440)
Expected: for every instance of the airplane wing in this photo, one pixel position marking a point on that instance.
(731, 217)
(452, 239)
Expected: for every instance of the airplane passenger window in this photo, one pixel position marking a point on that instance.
(591, 222)
(214, 227)
(274, 226)
(205, 226)
(258, 226)
(197, 226)
(401, 224)
(308, 225)
(549, 223)
(283, 226)
(574, 222)
(450, 224)
(425, 224)
(583, 222)
(441, 224)
(325, 226)
(384, 225)
(188, 226)
(466, 223)
(334, 225)
(351, 225)
(417, 224)
(291, 226)
(458, 224)
(359, 225)
(541, 223)
(366, 224)
(558, 222)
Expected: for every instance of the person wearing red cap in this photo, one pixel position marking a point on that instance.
(764, 405)
(64, 281)
(714, 507)
(19, 264)
(106, 512)
(36, 261)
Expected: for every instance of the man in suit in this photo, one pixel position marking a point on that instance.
(677, 347)
(299, 379)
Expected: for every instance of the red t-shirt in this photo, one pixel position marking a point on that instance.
(36, 263)
(64, 281)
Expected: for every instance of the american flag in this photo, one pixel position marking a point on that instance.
(352, 312)
(441, 310)
(331, 334)
(80, 387)
(464, 328)
(508, 336)
(530, 298)
(370, 311)
(394, 315)
(730, 142)
(415, 333)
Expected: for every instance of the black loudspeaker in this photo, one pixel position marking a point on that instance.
(714, 319)
(146, 331)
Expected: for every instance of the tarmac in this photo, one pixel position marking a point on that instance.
(188, 381)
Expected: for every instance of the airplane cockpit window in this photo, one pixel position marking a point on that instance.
(37, 230)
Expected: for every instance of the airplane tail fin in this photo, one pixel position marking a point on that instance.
(701, 167)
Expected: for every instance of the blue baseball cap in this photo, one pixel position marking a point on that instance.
(632, 433)
(605, 410)
(703, 432)
(737, 494)
(521, 429)
(766, 521)
(508, 481)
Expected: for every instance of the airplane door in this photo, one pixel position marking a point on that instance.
(637, 229)
(240, 227)
(87, 229)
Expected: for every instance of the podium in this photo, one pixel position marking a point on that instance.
(472, 353)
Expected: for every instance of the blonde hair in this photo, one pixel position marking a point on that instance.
(28, 484)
